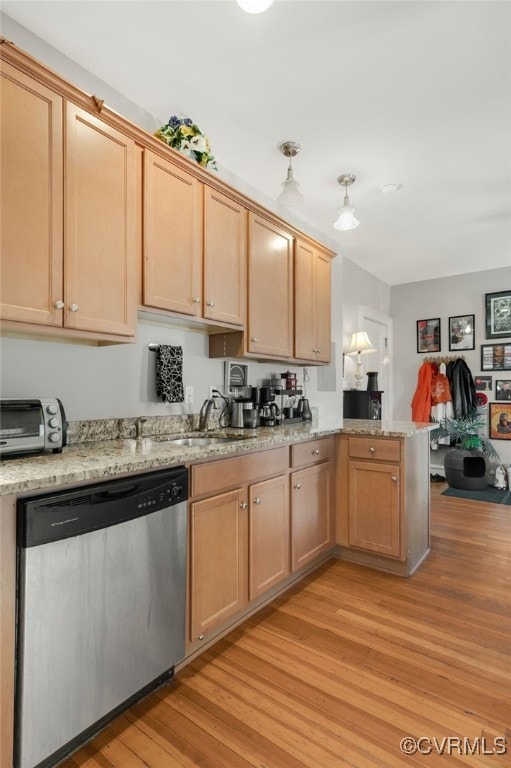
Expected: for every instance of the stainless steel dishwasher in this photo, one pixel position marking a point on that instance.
(101, 606)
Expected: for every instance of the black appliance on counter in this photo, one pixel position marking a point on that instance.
(362, 404)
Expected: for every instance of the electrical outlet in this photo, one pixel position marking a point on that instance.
(212, 391)
(188, 394)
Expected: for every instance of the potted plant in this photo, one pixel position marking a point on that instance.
(466, 464)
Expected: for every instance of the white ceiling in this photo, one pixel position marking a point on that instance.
(417, 93)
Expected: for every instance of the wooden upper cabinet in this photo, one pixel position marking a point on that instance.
(172, 237)
(225, 236)
(312, 303)
(31, 200)
(270, 289)
(99, 234)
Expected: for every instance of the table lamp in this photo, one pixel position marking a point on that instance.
(360, 345)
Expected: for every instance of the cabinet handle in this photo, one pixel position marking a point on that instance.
(210, 303)
(74, 308)
(243, 505)
(257, 500)
(315, 452)
(318, 351)
(196, 299)
(201, 637)
(254, 338)
(393, 478)
(371, 449)
(59, 304)
(297, 486)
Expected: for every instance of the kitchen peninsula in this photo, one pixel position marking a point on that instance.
(290, 498)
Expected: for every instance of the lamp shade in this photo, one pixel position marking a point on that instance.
(360, 344)
(346, 220)
(290, 195)
(254, 6)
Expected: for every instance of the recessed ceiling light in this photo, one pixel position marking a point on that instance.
(388, 189)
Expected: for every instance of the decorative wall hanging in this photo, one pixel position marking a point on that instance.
(461, 332)
(483, 383)
(496, 357)
(503, 389)
(500, 421)
(428, 335)
(183, 134)
(498, 314)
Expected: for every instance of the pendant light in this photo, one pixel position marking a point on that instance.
(254, 6)
(290, 196)
(346, 218)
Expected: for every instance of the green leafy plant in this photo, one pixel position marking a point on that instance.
(465, 432)
(183, 134)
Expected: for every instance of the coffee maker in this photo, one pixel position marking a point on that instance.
(263, 400)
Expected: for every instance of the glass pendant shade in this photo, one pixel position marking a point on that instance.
(346, 218)
(290, 195)
(254, 6)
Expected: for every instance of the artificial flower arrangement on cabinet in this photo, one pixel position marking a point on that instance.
(183, 134)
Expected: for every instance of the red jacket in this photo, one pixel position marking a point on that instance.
(421, 403)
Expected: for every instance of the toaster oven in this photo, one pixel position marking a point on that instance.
(31, 425)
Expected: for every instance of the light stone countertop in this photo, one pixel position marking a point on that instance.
(102, 459)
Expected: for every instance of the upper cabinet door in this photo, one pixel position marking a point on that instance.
(225, 237)
(270, 289)
(99, 237)
(31, 200)
(172, 237)
(312, 303)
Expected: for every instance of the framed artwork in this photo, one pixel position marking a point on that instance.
(428, 335)
(500, 421)
(496, 357)
(498, 314)
(483, 383)
(461, 332)
(503, 389)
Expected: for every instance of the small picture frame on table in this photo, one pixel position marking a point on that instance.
(503, 389)
(498, 314)
(461, 332)
(500, 421)
(428, 335)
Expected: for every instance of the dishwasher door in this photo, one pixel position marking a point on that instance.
(101, 612)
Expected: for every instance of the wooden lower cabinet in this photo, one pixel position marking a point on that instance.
(268, 534)
(218, 560)
(311, 513)
(374, 507)
(382, 499)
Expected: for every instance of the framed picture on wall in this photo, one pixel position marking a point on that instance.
(483, 383)
(428, 335)
(503, 389)
(461, 332)
(500, 421)
(498, 314)
(496, 357)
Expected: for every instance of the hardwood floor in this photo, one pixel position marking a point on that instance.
(342, 668)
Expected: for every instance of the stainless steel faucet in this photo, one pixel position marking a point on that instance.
(139, 426)
(207, 405)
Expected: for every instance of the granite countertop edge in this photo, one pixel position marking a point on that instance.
(104, 459)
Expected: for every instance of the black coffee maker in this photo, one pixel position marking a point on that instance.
(263, 399)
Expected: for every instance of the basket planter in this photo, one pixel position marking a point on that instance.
(469, 470)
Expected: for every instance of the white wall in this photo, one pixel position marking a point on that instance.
(445, 297)
(359, 288)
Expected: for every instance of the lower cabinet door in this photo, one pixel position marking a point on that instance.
(311, 513)
(374, 507)
(218, 560)
(268, 534)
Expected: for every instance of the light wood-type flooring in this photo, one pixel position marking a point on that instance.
(342, 668)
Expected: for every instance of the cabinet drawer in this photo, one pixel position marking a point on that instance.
(312, 451)
(377, 449)
(227, 473)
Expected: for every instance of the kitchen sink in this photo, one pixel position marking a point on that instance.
(196, 441)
